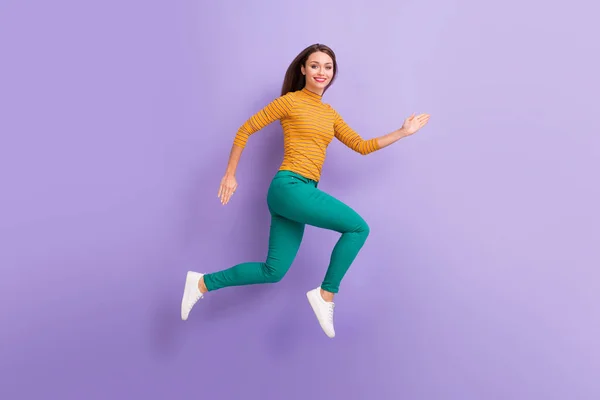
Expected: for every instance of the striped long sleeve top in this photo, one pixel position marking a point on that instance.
(309, 126)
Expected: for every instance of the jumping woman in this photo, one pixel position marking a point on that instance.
(293, 198)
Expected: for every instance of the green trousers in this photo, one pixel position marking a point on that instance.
(295, 201)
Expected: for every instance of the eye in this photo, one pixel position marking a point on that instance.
(314, 66)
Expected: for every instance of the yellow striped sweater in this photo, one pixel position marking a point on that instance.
(309, 125)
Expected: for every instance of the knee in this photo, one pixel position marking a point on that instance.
(359, 228)
(366, 229)
(274, 272)
(363, 228)
(275, 277)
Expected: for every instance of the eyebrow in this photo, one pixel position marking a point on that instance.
(316, 62)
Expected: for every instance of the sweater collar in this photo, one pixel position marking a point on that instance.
(312, 95)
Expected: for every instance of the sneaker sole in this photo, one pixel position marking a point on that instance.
(186, 290)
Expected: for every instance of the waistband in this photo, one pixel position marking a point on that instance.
(297, 176)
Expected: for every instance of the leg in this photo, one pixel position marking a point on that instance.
(330, 213)
(304, 203)
(284, 240)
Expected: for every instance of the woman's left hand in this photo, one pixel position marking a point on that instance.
(413, 123)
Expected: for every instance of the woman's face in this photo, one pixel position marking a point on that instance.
(318, 72)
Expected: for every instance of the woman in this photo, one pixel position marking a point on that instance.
(294, 200)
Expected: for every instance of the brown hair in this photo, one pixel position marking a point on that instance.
(294, 79)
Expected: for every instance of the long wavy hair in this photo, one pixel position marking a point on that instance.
(294, 79)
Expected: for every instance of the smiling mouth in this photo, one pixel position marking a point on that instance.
(320, 80)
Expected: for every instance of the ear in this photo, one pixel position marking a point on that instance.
(302, 70)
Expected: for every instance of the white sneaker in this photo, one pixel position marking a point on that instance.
(191, 293)
(323, 310)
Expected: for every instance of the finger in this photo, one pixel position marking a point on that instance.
(225, 198)
(225, 194)
(228, 195)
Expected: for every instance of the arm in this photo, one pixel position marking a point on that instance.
(391, 138)
(229, 184)
(277, 109)
(410, 126)
(234, 158)
(351, 139)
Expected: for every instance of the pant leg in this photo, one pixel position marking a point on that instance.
(284, 240)
(298, 199)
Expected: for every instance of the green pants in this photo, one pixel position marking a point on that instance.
(295, 201)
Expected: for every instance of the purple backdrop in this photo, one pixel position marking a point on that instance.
(479, 280)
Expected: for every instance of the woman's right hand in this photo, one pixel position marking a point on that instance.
(227, 188)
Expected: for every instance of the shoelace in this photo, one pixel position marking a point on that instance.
(331, 307)
(197, 298)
